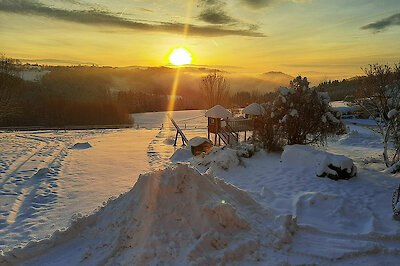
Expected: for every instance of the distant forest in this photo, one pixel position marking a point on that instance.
(339, 90)
(90, 95)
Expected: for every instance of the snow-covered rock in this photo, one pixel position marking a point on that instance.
(324, 164)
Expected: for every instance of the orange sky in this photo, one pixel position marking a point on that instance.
(321, 39)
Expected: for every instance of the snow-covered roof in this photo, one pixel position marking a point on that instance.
(254, 109)
(218, 112)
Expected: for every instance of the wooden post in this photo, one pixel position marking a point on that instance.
(176, 138)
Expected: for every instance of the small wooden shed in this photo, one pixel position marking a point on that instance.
(215, 116)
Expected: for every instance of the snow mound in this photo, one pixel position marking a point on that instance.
(173, 216)
(359, 139)
(169, 141)
(315, 209)
(81, 146)
(324, 163)
(181, 155)
(222, 158)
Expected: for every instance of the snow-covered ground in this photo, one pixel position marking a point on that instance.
(45, 179)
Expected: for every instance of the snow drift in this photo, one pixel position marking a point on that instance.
(324, 164)
(81, 146)
(172, 216)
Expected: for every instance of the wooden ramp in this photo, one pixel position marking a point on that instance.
(178, 132)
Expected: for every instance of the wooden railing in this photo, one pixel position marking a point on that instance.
(239, 125)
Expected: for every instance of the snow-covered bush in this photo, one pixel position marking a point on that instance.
(299, 115)
(226, 158)
(245, 150)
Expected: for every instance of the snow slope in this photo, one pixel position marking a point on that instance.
(45, 183)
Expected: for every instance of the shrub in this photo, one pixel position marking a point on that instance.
(299, 115)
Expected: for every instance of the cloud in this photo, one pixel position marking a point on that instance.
(105, 18)
(213, 12)
(383, 23)
(215, 16)
(257, 3)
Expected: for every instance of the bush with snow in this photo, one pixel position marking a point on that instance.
(299, 115)
(245, 150)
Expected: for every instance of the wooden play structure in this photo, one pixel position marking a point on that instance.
(226, 128)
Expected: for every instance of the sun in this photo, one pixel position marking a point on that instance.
(180, 56)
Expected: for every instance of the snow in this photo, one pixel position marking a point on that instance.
(254, 109)
(392, 113)
(343, 107)
(258, 210)
(81, 146)
(332, 117)
(305, 157)
(218, 112)
(181, 155)
(294, 113)
(33, 75)
(284, 91)
(173, 216)
(196, 141)
(221, 158)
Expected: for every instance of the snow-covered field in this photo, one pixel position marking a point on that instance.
(273, 213)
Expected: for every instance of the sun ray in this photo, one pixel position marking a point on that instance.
(171, 104)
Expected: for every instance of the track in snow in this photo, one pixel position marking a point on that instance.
(28, 184)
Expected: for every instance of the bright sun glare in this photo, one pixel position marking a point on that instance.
(180, 56)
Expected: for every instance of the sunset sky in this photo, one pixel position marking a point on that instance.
(321, 38)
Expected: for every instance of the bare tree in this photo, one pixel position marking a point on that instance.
(379, 96)
(215, 89)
